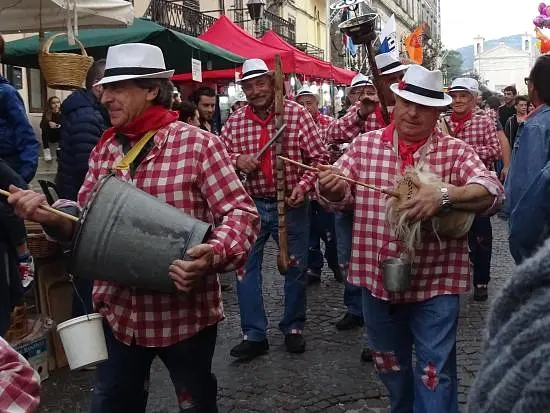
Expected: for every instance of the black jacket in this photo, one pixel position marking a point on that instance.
(11, 291)
(82, 123)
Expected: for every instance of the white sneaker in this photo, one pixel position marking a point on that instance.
(47, 155)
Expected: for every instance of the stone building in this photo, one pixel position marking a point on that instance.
(505, 65)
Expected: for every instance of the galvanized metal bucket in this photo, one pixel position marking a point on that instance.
(130, 237)
(397, 274)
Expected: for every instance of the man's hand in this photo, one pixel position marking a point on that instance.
(368, 106)
(185, 273)
(330, 185)
(425, 204)
(247, 163)
(296, 198)
(26, 205)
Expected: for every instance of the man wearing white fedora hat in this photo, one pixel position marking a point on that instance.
(321, 221)
(190, 170)
(245, 133)
(479, 130)
(425, 315)
(364, 116)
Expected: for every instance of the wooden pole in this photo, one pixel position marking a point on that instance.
(48, 208)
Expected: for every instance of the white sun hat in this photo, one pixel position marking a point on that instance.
(134, 61)
(305, 91)
(360, 80)
(239, 97)
(422, 86)
(253, 68)
(465, 84)
(387, 64)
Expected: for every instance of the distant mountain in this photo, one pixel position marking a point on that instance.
(467, 52)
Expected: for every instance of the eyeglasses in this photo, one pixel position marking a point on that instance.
(526, 80)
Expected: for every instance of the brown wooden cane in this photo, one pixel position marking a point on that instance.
(378, 84)
(283, 258)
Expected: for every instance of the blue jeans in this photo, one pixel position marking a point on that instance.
(249, 288)
(430, 326)
(343, 223)
(321, 228)
(122, 381)
(480, 241)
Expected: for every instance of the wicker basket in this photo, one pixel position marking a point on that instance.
(64, 71)
(39, 246)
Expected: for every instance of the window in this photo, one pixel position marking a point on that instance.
(35, 83)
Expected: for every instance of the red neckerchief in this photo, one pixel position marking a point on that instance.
(266, 164)
(405, 150)
(460, 121)
(153, 118)
(379, 117)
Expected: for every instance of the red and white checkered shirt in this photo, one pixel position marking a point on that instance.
(190, 170)
(19, 382)
(481, 133)
(349, 126)
(438, 268)
(323, 122)
(301, 142)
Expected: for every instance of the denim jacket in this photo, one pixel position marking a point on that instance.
(528, 185)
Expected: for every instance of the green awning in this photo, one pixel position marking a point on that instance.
(178, 48)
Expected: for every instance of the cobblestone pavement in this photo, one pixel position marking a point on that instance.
(327, 378)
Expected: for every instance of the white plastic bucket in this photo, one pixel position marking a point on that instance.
(83, 340)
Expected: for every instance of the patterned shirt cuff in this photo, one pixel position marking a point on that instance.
(64, 205)
(494, 188)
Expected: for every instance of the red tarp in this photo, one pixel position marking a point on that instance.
(226, 34)
(316, 65)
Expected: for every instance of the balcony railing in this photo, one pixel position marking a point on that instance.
(311, 50)
(178, 17)
(284, 28)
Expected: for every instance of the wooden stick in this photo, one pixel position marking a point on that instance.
(283, 260)
(386, 191)
(48, 208)
(378, 84)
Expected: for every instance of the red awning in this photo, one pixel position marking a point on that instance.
(226, 34)
(317, 67)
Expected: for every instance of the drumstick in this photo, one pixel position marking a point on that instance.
(48, 208)
(345, 178)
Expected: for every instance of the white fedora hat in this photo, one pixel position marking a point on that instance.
(239, 97)
(387, 63)
(359, 80)
(305, 91)
(465, 84)
(134, 61)
(422, 86)
(253, 68)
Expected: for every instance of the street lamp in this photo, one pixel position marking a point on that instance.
(256, 10)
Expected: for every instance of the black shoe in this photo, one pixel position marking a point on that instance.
(313, 277)
(480, 293)
(349, 322)
(338, 276)
(247, 350)
(295, 343)
(226, 287)
(366, 355)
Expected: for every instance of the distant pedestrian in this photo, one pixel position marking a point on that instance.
(50, 125)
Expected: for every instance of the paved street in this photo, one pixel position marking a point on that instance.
(328, 378)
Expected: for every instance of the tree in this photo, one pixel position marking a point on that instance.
(452, 66)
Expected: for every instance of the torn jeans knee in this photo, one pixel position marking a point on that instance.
(430, 378)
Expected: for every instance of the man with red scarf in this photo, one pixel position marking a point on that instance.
(321, 221)
(425, 316)
(478, 130)
(245, 133)
(364, 116)
(190, 170)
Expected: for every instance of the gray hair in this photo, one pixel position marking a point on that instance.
(165, 87)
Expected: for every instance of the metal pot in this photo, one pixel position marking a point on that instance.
(397, 274)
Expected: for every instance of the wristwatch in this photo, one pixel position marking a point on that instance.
(446, 203)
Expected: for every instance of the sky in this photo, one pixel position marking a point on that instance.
(462, 20)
